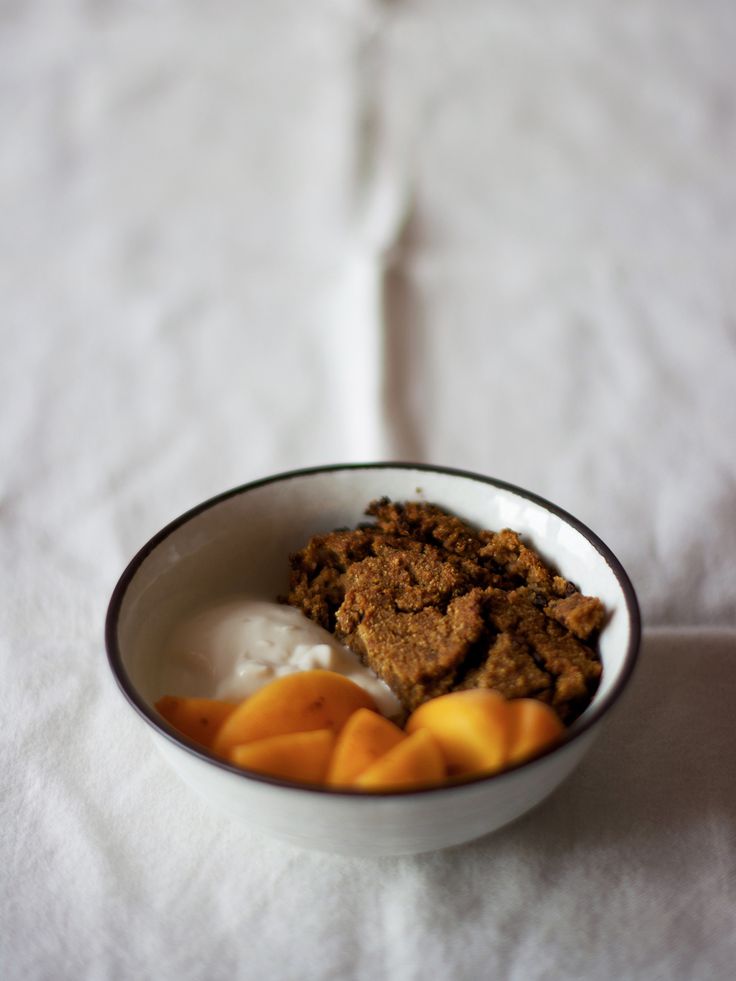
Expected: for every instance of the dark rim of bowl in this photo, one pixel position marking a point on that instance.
(151, 717)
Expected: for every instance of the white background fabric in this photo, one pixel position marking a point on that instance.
(239, 238)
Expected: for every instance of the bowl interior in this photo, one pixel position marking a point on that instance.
(239, 544)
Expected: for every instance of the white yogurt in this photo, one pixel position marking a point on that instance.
(231, 649)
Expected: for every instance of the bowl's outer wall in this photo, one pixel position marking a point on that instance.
(375, 825)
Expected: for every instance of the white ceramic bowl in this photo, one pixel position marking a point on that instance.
(239, 543)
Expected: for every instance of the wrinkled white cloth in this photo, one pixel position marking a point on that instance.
(238, 239)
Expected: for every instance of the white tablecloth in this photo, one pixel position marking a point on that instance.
(243, 238)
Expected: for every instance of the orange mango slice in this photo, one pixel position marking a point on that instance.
(299, 702)
(479, 731)
(197, 718)
(415, 761)
(470, 728)
(302, 756)
(365, 738)
(533, 726)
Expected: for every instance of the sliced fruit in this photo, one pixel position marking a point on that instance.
(415, 761)
(302, 756)
(533, 726)
(470, 728)
(365, 738)
(299, 702)
(197, 718)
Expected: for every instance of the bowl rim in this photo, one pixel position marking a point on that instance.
(162, 728)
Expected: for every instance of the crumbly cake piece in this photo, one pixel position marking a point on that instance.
(433, 605)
